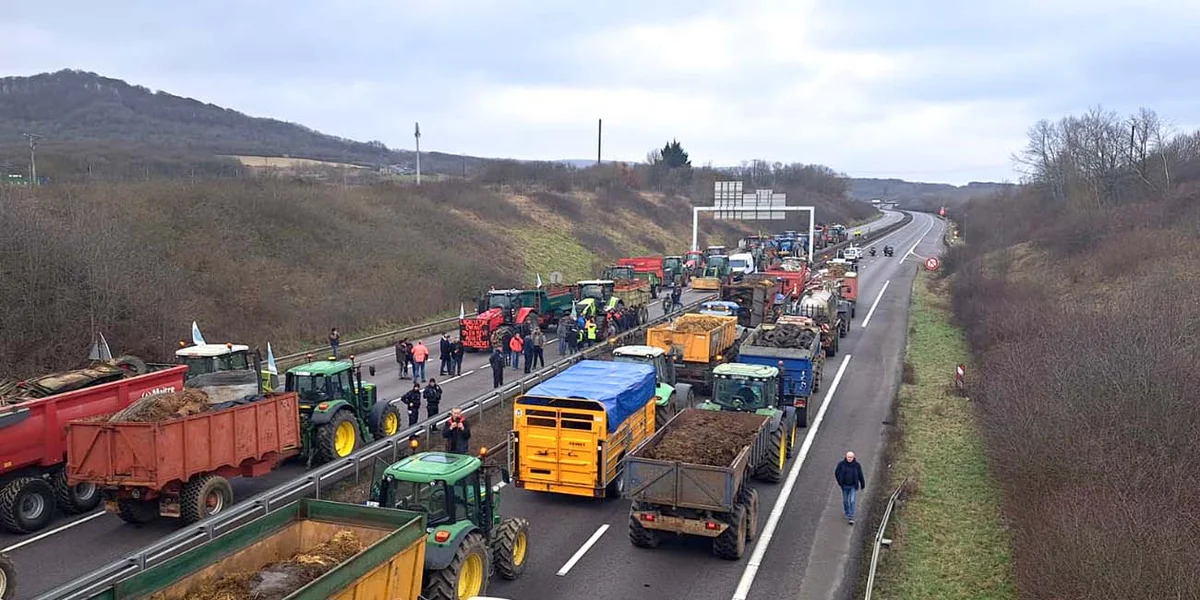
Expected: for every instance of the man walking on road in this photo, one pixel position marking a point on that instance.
(420, 354)
(849, 476)
(445, 353)
(497, 363)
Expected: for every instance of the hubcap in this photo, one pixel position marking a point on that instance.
(85, 491)
(214, 502)
(391, 423)
(519, 550)
(470, 579)
(32, 506)
(782, 453)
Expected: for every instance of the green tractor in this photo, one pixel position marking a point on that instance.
(338, 412)
(740, 387)
(675, 271)
(468, 540)
(671, 397)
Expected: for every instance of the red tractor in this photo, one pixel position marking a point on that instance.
(501, 313)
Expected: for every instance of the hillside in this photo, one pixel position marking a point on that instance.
(1078, 294)
(922, 195)
(281, 260)
(77, 107)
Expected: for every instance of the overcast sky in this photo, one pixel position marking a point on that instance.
(928, 90)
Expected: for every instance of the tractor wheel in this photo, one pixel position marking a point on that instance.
(640, 536)
(751, 502)
(26, 505)
(204, 496)
(499, 335)
(772, 468)
(467, 574)
(8, 578)
(338, 438)
(791, 443)
(74, 499)
(511, 548)
(137, 512)
(389, 422)
(133, 364)
(731, 544)
(616, 487)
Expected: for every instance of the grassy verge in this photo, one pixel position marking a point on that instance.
(948, 539)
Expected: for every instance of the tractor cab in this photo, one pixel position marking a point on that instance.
(674, 269)
(467, 538)
(714, 251)
(745, 388)
(620, 273)
(508, 301)
(594, 296)
(716, 265)
(337, 408)
(672, 397)
(204, 360)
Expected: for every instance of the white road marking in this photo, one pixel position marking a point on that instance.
(445, 381)
(785, 493)
(914, 247)
(875, 304)
(51, 532)
(582, 550)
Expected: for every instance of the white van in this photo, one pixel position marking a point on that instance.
(741, 263)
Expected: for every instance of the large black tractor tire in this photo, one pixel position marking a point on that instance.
(616, 487)
(203, 496)
(26, 505)
(327, 447)
(772, 468)
(8, 578)
(640, 536)
(751, 502)
(137, 512)
(74, 499)
(389, 422)
(471, 555)
(731, 544)
(511, 548)
(132, 364)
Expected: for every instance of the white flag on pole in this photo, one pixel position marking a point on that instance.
(272, 368)
(462, 310)
(539, 280)
(197, 339)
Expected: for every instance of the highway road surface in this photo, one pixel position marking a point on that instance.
(72, 547)
(580, 547)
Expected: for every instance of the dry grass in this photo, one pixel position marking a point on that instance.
(284, 162)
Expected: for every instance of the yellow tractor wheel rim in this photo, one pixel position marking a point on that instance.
(794, 428)
(519, 549)
(782, 452)
(470, 578)
(391, 424)
(343, 438)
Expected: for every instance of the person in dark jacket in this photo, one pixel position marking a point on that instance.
(849, 476)
(457, 433)
(433, 398)
(498, 362)
(527, 349)
(446, 354)
(412, 399)
(401, 367)
(457, 351)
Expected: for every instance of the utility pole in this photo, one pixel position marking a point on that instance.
(417, 135)
(599, 138)
(33, 138)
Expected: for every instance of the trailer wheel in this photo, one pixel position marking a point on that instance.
(26, 505)
(640, 536)
(467, 574)
(511, 548)
(731, 544)
(338, 438)
(751, 514)
(616, 487)
(772, 468)
(137, 512)
(74, 499)
(204, 496)
(8, 578)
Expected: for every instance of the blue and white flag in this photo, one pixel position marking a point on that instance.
(272, 368)
(197, 339)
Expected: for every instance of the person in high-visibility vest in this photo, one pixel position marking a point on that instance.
(591, 332)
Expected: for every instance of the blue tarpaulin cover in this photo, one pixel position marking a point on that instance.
(623, 388)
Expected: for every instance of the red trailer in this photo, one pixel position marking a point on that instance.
(181, 467)
(644, 264)
(33, 446)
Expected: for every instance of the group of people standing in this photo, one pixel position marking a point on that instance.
(414, 356)
(510, 349)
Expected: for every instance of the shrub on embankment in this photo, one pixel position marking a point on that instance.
(1080, 295)
(258, 260)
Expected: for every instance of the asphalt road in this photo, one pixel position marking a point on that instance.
(75, 546)
(808, 548)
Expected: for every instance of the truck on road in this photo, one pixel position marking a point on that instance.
(795, 348)
(597, 296)
(696, 343)
(571, 431)
(33, 435)
(693, 478)
(501, 313)
(675, 271)
(755, 297)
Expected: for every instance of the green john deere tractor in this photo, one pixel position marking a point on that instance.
(468, 540)
(741, 387)
(338, 412)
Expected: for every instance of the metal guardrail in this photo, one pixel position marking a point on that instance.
(881, 541)
(313, 482)
(421, 330)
